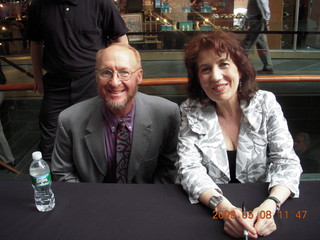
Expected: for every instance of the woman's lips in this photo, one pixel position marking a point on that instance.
(219, 88)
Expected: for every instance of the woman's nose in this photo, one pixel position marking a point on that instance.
(216, 74)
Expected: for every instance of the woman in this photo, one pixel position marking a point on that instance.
(233, 132)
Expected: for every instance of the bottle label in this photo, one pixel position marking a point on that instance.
(41, 180)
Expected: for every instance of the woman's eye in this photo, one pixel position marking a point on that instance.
(205, 70)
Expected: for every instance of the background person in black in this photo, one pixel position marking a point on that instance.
(65, 36)
(309, 155)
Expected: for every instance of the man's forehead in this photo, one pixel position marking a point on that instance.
(117, 56)
(118, 52)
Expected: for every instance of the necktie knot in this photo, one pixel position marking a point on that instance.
(121, 125)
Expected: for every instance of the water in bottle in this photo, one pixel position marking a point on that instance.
(41, 182)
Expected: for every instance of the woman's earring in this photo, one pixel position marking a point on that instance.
(240, 87)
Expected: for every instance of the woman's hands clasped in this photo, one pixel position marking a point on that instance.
(259, 222)
(263, 218)
(237, 221)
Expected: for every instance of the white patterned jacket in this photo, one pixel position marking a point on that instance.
(265, 147)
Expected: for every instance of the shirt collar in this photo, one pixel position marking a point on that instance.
(112, 121)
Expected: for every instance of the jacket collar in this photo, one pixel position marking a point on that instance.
(200, 115)
(252, 113)
(142, 129)
(95, 137)
(203, 120)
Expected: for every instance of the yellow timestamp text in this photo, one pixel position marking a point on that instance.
(301, 214)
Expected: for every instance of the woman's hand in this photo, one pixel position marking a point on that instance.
(263, 220)
(235, 225)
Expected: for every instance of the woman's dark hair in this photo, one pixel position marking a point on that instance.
(220, 42)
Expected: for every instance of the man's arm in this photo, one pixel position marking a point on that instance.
(62, 165)
(122, 39)
(166, 170)
(36, 58)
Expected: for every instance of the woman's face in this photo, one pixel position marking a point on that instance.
(218, 75)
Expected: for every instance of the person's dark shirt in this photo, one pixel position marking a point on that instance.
(232, 157)
(73, 31)
(310, 161)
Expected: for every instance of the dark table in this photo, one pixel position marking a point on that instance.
(111, 211)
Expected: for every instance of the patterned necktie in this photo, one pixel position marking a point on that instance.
(122, 152)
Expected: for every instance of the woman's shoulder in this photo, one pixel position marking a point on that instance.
(191, 104)
(263, 96)
(261, 102)
(200, 117)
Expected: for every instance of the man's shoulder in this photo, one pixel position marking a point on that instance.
(155, 102)
(81, 108)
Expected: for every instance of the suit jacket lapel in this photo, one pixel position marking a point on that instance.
(252, 141)
(95, 137)
(142, 130)
(204, 122)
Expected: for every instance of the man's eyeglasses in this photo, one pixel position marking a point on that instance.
(107, 74)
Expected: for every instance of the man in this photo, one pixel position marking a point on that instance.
(5, 150)
(301, 142)
(258, 16)
(85, 148)
(309, 156)
(65, 36)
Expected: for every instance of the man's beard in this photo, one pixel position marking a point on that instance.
(121, 105)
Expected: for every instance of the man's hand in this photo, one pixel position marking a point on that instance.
(38, 85)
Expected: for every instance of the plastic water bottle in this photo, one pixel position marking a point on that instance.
(41, 183)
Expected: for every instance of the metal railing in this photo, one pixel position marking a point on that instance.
(182, 81)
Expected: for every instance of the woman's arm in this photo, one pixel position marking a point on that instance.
(284, 170)
(192, 173)
(284, 167)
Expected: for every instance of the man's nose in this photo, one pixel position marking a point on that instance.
(115, 79)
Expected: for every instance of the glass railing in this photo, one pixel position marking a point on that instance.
(298, 95)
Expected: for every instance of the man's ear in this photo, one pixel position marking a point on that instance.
(140, 76)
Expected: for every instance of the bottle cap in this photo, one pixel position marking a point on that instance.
(36, 155)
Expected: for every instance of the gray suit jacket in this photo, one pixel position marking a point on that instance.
(80, 154)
